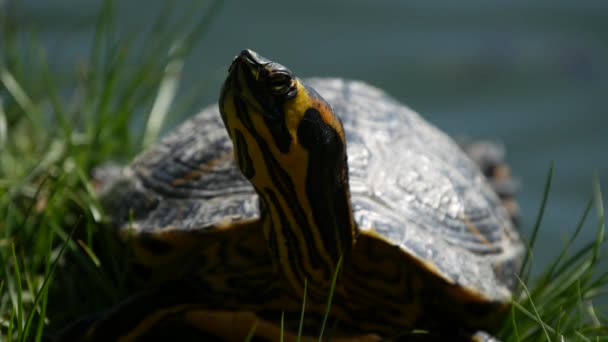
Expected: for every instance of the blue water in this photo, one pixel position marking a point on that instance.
(533, 76)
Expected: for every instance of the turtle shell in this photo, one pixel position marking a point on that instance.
(411, 186)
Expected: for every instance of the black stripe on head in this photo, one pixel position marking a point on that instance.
(291, 241)
(271, 106)
(294, 257)
(243, 157)
(326, 181)
(284, 185)
(281, 179)
(278, 129)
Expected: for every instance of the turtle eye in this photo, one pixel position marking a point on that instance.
(282, 84)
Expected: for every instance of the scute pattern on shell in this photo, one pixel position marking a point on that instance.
(413, 185)
(192, 173)
(409, 182)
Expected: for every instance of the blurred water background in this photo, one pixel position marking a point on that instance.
(533, 75)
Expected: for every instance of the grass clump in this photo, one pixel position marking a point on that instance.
(55, 262)
(568, 301)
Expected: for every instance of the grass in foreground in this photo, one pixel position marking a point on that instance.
(568, 301)
(55, 262)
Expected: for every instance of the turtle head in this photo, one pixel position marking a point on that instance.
(291, 147)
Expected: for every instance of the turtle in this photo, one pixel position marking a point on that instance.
(295, 192)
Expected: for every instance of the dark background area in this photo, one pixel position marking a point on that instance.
(533, 76)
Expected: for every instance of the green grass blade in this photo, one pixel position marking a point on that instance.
(44, 289)
(165, 96)
(102, 26)
(579, 227)
(40, 327)
(105, 285)
(172, 73)
(2, 320)
(534, 316)
(514, 322)
(89, 252)
(581, 307)
(526, 268)
(558, 328)
(599, 204)
(11, 327)
(282, 332)
(592, 313)
(571, 263)
(583, 337)
(330, 298)
(58, 108)
(3, 127)
(301, 325)
(28, 210)
(19, 293)
(43, 292)
(251, 331)
(20, 95)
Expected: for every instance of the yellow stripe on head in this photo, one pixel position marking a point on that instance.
(291, 147)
